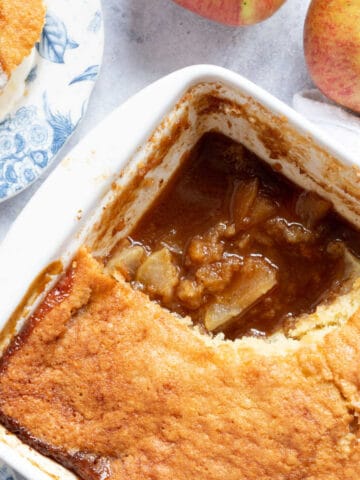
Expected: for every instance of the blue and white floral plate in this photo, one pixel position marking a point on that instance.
(68, 60)
(6, 473)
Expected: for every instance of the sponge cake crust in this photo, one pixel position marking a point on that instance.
(21, 23)
(113, 386)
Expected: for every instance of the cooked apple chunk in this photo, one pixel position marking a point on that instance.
(159, 274)
(126, 262)
(256, 278)
(250, 208)
(311, 208)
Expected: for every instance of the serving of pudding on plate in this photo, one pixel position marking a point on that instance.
(21, 24)
(219, 340)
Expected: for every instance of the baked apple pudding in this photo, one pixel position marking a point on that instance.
(219, 340)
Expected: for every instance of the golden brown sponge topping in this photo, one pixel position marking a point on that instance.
(21, 23)
(113, 386)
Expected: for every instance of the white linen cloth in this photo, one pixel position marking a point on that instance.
(342, 125)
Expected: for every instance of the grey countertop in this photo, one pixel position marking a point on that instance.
(147, 39)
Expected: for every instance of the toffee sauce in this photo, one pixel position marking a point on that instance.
(202, 194)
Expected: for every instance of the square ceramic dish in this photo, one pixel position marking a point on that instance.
(99, 191)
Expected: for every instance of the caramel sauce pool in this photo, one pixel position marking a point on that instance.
(224, 207)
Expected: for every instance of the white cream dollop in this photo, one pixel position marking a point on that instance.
(13, 89)
(3, 79)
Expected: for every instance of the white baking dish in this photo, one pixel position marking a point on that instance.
(113, 175)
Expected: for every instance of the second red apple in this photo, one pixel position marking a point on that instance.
(233, 12)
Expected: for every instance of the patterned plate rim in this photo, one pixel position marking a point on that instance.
(34, 133)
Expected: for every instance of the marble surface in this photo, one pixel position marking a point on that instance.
(146, 40)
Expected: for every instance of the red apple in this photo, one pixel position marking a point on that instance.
(233, 12)
(332, 49)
